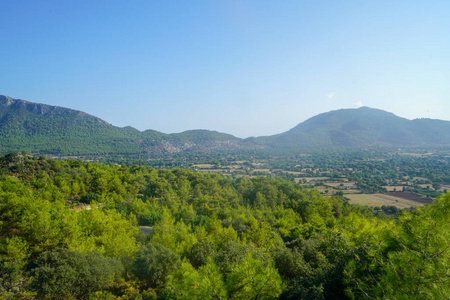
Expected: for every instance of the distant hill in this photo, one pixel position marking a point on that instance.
(44, 129)
(362, 127)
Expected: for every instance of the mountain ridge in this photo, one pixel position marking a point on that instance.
(46, 129)
(41, 128)
(363, 127)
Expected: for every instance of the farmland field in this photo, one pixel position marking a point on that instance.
(393, 188)
(308, 179)
(347, 184)
(387, 199)
(203, 166)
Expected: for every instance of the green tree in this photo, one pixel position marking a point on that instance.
(69, 274)
(201, 252)
(252, 279)
(233, 253)
(153, 263)
(106, 231)
(436, 186)
(189, 283)
(290, 263)
(420, 269)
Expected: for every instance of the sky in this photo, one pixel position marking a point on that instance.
(247, 68)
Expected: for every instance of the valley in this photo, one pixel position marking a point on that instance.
(155, 150)
(404, 180)
(298, 210)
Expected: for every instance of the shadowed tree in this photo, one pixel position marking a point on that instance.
(69, 274)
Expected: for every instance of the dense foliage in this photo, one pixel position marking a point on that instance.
(70, 229)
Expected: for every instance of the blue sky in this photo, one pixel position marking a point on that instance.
(248, 68)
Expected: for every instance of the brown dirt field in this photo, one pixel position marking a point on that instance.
(444, 187)
(412, 197)
(384, 199)
(234, 167)
(351, 192)
(262, 170)
(293, 172)
(337, 184)
(309, 179)
(220, 171)
(425, 185)
(416, 154)
(390, 188)
(203, 166)
(315, 178)
(322, 189)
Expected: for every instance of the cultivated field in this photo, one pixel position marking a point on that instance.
(308, 179)
(393, 188)
(261, 170)
(346, 184)
(406, 200)
(204, 166)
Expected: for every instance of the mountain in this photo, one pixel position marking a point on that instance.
(44, 129)
(361, 127)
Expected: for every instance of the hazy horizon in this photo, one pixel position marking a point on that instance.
(253, 68)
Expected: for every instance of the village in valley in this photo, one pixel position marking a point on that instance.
(402, 179)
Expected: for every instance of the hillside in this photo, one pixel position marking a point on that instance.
(45, 129)
(69, 230)
(362, 127)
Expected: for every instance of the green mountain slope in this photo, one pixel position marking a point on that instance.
(362, 127)
(45, 129)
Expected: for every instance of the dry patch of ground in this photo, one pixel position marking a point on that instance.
(204, 166)
(412, 196)
(351, 191)
(348, 184)
(211, 171)
(262, 170)
(293, 172)
(416, 154)
(445, 187)
(393, 188)
(308, 179)
(424, 186)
